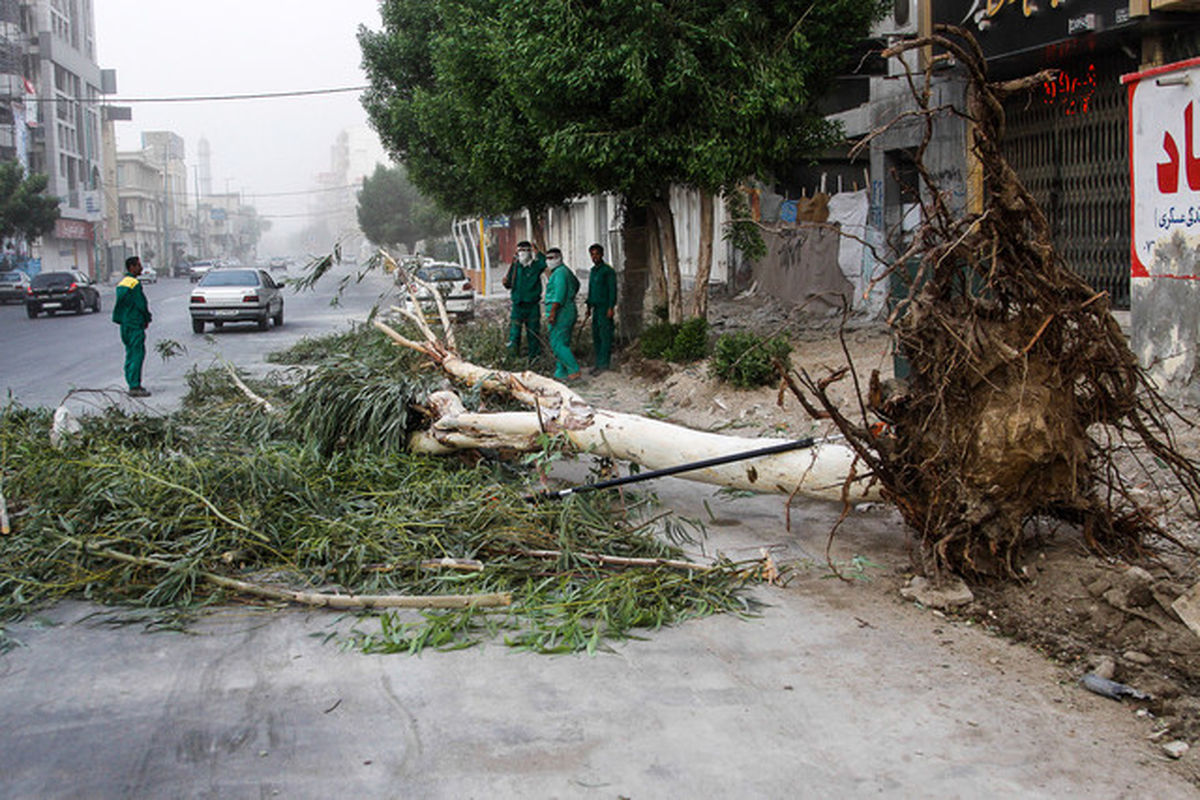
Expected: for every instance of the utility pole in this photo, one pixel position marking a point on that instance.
(201, 245)
(164, 260)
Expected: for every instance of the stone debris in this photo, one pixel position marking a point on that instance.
(1187, 606)
(1176, 749)
(1137, 657)
(1105, 667)
(951, 593)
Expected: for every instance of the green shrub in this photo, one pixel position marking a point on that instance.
(691, 341)
(747, 360)
(657, 339)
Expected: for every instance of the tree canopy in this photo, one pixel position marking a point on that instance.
(26, 211)
(392, 211)
(498, 104)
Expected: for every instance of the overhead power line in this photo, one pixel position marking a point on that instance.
(200, 98)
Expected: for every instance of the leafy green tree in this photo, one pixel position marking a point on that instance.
(497, 104)
(26, 211)
(392, 211)
(437, 101)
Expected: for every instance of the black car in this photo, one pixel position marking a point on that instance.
(61, 291)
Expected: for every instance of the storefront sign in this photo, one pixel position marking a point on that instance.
(1164, 158)
(1006, 28)
(72, 229)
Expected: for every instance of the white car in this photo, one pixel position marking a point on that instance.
(236, 294)
(201, 268)
(149, 275)
(451, 282)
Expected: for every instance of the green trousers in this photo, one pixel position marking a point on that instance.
(602, 337)
(525, 315)
(134, 339)
(560, 342)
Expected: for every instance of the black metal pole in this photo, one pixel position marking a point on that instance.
(716, 461)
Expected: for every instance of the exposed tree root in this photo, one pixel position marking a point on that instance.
(1022, 385)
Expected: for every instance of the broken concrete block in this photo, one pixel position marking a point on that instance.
(950, 594)
(1188, 608)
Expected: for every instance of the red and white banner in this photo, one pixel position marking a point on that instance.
(72, 229)
(1164, 162)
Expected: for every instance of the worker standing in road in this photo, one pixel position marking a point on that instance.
(132, 313)
(561, 314)
(524, 283)
(601, 307)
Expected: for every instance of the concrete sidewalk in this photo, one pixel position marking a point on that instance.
(829, 692)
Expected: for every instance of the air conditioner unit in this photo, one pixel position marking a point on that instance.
(901, 20)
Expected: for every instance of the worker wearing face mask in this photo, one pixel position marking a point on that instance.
(561, 314)
(524, 284)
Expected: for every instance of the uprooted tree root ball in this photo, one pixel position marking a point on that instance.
(1022, 389)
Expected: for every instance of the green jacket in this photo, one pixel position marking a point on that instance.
(602, 287)
(525, 282)
(562, 287)
(131, 307)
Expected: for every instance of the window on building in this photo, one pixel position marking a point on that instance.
(89, 35)
(60, 21)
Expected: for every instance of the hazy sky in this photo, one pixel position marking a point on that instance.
(171, 48)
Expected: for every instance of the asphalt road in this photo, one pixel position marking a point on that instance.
(43, 359)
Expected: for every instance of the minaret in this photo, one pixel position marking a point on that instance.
(204, 156)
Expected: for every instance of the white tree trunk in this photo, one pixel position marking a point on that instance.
(820, 471)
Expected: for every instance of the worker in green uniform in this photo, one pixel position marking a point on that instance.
(601, 307)
(524, 282)
(561, 288)
(132, 313)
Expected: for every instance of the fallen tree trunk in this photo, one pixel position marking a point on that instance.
(825, 471)
(819, 471)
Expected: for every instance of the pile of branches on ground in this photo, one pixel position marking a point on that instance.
(284, 492)
(1023, 389)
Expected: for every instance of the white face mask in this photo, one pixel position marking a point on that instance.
(553, 261)
(524, 256)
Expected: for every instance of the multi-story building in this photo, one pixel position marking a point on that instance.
(140, 206)
(14, 87)
(61, 66)
(166, 151)
(353, 157)
(50, 85)
(227, 228)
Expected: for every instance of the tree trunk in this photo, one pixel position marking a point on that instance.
(658, 279)
(635, 273)
(537, 218)
(704, 256)
(821, 471)
(670, 257)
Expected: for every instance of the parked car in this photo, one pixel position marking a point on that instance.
(453, 285)
(241, 294)
(61, 291)
(13, 285)
(201, 268)
(149, 275)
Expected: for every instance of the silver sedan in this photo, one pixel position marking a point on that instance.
(236, 294)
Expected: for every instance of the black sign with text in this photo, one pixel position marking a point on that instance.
(1055, 28)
